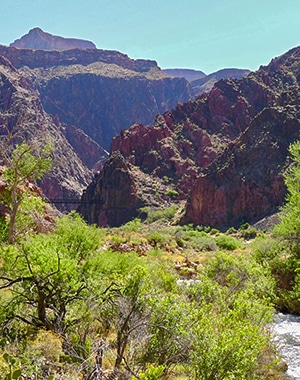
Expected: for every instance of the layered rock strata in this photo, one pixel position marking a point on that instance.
(225, 152)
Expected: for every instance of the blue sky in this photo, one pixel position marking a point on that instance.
(201, 34)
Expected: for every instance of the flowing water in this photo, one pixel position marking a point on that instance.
(287, 330)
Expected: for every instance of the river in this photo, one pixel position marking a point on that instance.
(287, 330)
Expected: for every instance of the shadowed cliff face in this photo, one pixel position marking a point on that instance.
(224, 151)
(111, 196)
(99, 91)
(101, 103)
(246, 182)
(21, 111)
(116, 194)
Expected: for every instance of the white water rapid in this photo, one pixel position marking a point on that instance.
(287, 331)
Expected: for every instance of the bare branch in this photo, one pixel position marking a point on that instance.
(12, 282)
(23, 319)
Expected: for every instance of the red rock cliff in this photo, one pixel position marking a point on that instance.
(235, 139)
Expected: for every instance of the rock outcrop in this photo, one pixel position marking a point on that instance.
(246, 182)
(206, 83)
(117, 193)
(225, 151)
(41, 58)
(37, 39)
(187, 139)
(111, 196)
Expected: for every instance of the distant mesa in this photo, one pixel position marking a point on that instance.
(205, 84)
(201, 82)
(37, 39)
(188, 74)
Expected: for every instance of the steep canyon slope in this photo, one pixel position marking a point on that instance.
(22, 115)
(81, 97)
(98, 91)
(224, 151)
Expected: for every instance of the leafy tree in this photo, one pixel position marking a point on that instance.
(170, 323)
(127, 309)
(46, 276)
(24, 164)
(284, 261)
(225, 343)
(289, 226)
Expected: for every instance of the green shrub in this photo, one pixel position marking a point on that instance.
(228, 242)
(289, 227)
(13, 372)
(244, 226)
(109, 263)
(166, 214)
(133, 225)
(195, 239)
(227, 343)
(157, 239)
(152, 373)
(203, 243)
(166, 179)
(171, 193)
(239, 273)
(265, 249)
(207, 229)
(42, 355)
(3, 230)
(155, 252)
(192, 233)
(231, 231)
(249, 233)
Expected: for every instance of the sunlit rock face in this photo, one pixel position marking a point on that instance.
(224, 152)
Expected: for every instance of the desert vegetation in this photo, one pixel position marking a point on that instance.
(148, 300)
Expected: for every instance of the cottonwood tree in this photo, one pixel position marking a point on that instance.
(289, 226)
(127, 310)
(46, 276)
(288, 231)
(23, 162)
